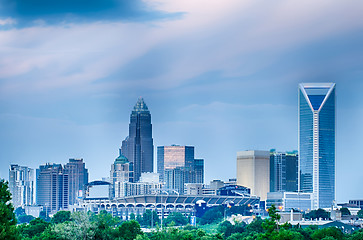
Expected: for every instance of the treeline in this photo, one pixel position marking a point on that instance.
(81, 225)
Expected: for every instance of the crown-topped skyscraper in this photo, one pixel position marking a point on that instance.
(317, 142)
(138, 147)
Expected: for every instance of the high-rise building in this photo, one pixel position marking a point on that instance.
(253, 171)
(199, 170)
(21, 185)
(177, 166)
(138, 147)
(283, 171)
(317, 125)
(52, 187)
(78, 177)
(121, 171)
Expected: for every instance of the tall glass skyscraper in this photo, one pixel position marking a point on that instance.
(138, 147)
(317, 124)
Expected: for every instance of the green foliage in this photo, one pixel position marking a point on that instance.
(288, 235)
(227, 229)
(61, 217)
(44, 215)
(357, 235)
(213, 215)
(360, 213)
(345, 211)
(270, 225)
(255, 226)
(104, 224)
(176, 217)
(19, 211)
(150, 219)
(132, 216)
(328, 232)
(25, 218)
(128, 230)
(8, 228)
(35, 228)
(316, 214)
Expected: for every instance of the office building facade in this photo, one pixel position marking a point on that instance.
(52, 190)
(121, 171)
(253, 171)
(138, 147)
(77, 178)
(283, 171)
(21, 185)
(177, 166)
(317, 127)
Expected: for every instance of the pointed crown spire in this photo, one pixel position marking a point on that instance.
(140, 106)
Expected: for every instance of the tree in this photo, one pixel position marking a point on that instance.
(176, 217)
(35, 228)
(316, 214)
(255, 226)
(333, 232)
(212, 215)
(360, 213)
(19, 211)
(288, 235)
(128, 230)
(105, 224)
(25, 218)
(270, 225)
(345, 211)
(61, 217)
(8, 228)
(132, 216)
(149, 218)
(227, 228)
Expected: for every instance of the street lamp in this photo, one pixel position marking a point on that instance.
(162, 209)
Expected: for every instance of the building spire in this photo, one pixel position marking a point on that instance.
(140, 106)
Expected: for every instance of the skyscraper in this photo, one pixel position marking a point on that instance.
(283, 171)
(177, 166)
(21, 185)
(253, 171)
(317, 124)
(52, 187)
(138, 147)
(78, 177)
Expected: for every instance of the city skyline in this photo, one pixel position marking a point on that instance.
(220, 76)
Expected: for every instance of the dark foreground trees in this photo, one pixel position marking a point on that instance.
(8, 228)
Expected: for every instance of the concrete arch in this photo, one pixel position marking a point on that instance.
(130, 205)
(179, 206)
(170, 206)
(140, 205)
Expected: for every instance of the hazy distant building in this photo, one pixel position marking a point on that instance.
(138, 147)
(177, 166)
(52, 187)
(77, 178)
(253, 171)
(121, 171)
(317, 142)
(283, 171)
(21, 185)
(150, 177)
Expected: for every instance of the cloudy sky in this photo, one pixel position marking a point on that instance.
(219, 75)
